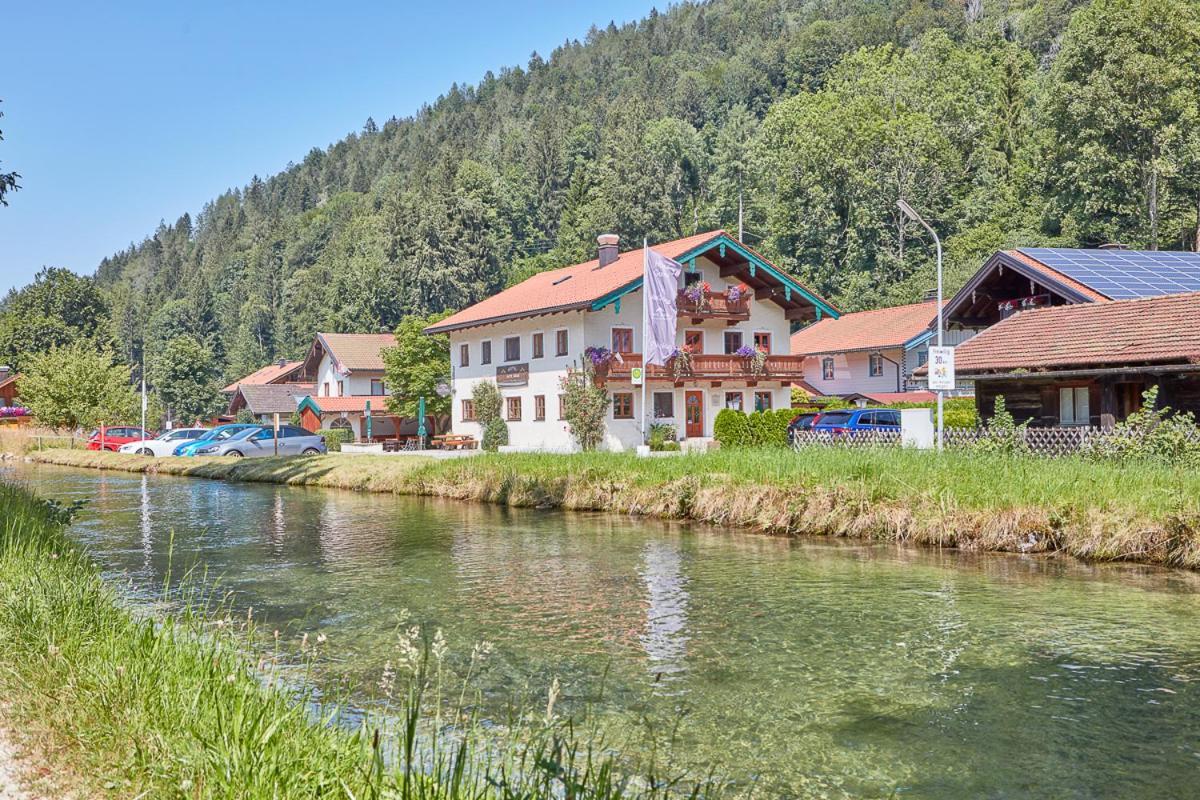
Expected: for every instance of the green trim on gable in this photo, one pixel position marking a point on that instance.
(310, 404)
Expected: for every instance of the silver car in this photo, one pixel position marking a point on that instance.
(260, 442)
(165, 443)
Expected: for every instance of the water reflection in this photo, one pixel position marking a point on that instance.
(814, 668)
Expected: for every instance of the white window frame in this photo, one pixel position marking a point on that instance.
(871, 358)
(1074, 406)
(830, 373)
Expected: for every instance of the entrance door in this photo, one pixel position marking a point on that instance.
(693, 404)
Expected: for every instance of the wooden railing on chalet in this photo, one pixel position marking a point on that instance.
(708, 367)
(714, 305)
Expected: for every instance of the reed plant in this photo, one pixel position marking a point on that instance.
(190, 700)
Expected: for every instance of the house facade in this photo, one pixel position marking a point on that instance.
(871, 352)
(730, 301)
(264, 401)
(1088, 365)
(280, 372)
(346, 374)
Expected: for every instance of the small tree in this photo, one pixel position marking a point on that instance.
(78, 386)
(486, 397)
(416, 366)
(585, 406)
(185, 376)
(1002, 434)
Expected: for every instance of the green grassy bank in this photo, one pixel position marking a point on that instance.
(1146, 513)
(197, 704)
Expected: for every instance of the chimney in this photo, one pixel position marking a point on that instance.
(608, 248)
(281, 363)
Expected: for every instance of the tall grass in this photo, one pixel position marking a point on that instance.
(201, 704)
(1148, 513)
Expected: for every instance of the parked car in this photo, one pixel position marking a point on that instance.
(165, 443)
(802, 422)
(217, 434)
(851, 420)
(115, 436)
(293, 441)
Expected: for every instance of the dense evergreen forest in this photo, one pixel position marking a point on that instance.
(1008, 122)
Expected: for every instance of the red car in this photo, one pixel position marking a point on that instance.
(116, 436)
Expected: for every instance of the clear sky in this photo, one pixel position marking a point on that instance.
(118, 115)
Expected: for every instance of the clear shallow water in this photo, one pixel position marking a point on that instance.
(812, 668)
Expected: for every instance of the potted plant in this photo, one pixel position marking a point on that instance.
(681, 362)
(737, 297)
(697, 294)
(754, 358)
(600, 358)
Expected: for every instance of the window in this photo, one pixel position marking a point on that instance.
(513, 407)
(325, 389)
(1073, 405)
(538, 348)
(922, 358)
(664, 405)
(827, 369)
(887, 418)
(340, 424)
(694, 341)
(876, 362)
(539, 407)
(341, 388)
(291, 431)
(733, 342)
(560, 343)
(468, 410)
(733, 400)
(691, 276)
(622, 340)
(562, 406)
(622, 405)
(762, 401)
(464, 355)
(485, 352)
(762, 341)
(377, 387)
(512, 348)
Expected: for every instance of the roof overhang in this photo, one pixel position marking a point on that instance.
(1081, 372)
(737, 260)
(1004, 259)
(541, 312)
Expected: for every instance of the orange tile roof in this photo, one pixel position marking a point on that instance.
(355, 402)
(566, 288)
(888, 398)
(358, 351)
(864, 330)
(271, 373)
(1148, 330)
(1054, 274)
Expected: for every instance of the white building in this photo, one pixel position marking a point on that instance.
(872, 353)
(346, 372)
(525, 337)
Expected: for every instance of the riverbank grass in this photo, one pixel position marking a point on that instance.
(192, 704)
(1147, 513)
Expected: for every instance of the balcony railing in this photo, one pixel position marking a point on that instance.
(714, 305)
(707, 367)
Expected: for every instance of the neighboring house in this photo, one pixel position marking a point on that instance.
(265, 401)
(864, 399)
(1038, 277)
(869, 351)
(346, 375)
(527, 336)
(1088, 364)
(8, 387)
(281, 371)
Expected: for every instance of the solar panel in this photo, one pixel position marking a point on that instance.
(1125, 274)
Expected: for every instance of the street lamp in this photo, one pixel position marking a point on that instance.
(908, 211)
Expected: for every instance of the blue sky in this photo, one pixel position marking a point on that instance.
(119, 115)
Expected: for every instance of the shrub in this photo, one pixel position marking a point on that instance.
(1151, 434)
(495, 434)
(1002, 435)
(245, 416)
(336, 437)
(486, 397)
(585, 405)
(731, 428)
(661, 435)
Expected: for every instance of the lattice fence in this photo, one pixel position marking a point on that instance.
(846, 439)
(1040, 441)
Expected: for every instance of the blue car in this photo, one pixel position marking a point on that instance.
(218, 434)
(848, 421)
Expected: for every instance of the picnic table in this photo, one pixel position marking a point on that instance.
(452, 441)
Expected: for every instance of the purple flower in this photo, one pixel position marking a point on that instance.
(745, 351)
(14, 411)
(599, 356)
(734, 294)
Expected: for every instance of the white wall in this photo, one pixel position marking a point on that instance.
(852, 373)
(357, 382)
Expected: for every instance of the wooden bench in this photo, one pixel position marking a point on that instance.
(450, 441)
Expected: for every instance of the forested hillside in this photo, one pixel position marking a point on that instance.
(1045, 122)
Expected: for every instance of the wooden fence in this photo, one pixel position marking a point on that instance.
(1039, 441)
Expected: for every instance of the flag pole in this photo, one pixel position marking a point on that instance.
(645, 314)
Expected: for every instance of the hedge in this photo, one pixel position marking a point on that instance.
(336, 437)
(734, 428)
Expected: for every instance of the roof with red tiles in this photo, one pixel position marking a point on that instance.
(1053, 274)
(879, 329)
(272, 373)
(577, 286)
(347, 403)
(358, 351)
(891, 398)
(1151, 330)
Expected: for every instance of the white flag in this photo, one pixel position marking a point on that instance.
(660, 286)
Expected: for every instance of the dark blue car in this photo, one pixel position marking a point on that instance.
(849, 420)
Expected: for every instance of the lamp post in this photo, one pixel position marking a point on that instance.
(908, 211)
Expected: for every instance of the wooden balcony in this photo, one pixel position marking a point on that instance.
(714, 305)
(714, 368)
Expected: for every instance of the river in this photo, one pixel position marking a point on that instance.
(809, 668)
